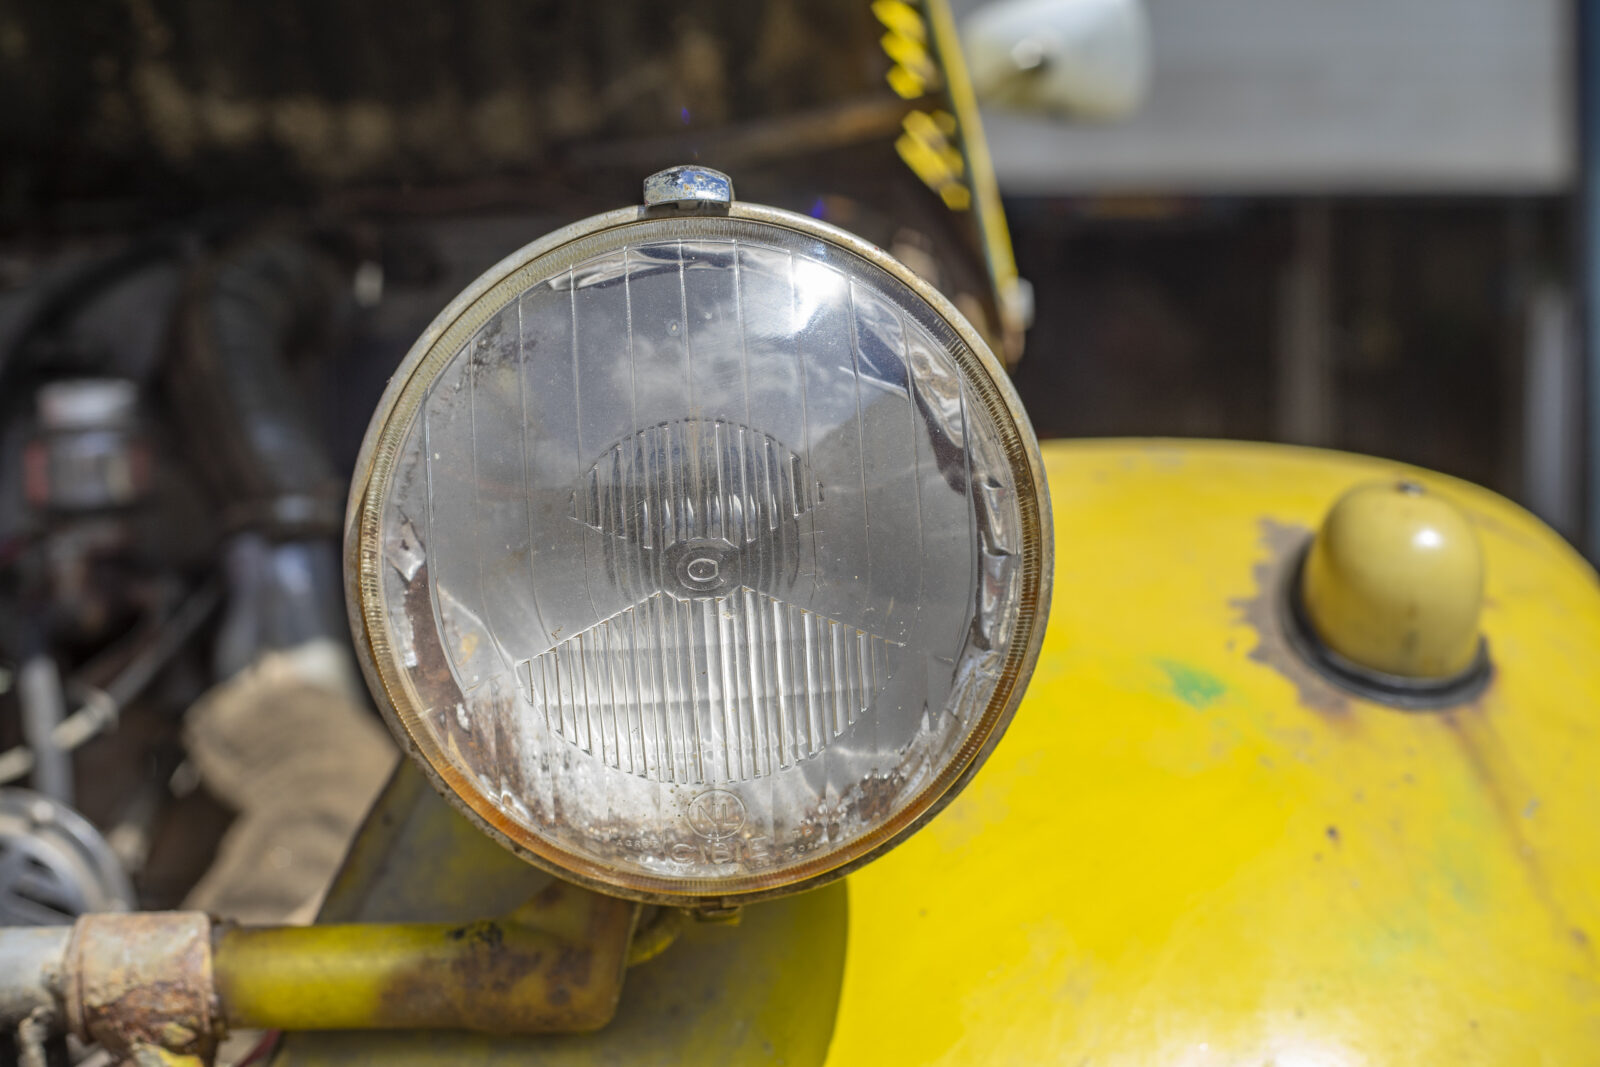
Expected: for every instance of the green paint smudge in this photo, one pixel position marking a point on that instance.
(1194, 687)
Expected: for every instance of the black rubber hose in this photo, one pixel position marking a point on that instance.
(247, 313)
(64, 297)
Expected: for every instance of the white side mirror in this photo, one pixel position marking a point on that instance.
(1081, 58)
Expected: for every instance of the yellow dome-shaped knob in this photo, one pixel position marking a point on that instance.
(1394, 583)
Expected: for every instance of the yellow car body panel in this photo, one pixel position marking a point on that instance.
(1190, 848)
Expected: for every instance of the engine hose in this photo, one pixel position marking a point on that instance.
(246, 312)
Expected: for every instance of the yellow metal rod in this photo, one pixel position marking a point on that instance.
(555, 964)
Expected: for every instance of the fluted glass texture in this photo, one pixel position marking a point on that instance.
(701, 556)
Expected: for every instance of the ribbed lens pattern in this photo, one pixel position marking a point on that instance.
(697, 506)
(709, 690)
(694, 478)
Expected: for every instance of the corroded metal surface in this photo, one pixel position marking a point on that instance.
(168, 984)
(553, 965)
(142, 979)
(722, 993)
(677, 185)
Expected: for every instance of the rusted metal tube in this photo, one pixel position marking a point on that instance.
(555, 964)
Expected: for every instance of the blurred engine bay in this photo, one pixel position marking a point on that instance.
(210, 261)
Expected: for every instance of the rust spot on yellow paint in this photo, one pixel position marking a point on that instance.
(1263, 611)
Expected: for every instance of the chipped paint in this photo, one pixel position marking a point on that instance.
(1264, 612)
(1191, 685)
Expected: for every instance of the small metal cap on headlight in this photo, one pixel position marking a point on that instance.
(678, 185)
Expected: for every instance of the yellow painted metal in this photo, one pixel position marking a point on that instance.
(653, 937)
(1394, 581)
(555, 964)
(1188, 850)
(990, 212)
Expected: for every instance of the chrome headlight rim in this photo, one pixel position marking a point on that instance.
(441, 342)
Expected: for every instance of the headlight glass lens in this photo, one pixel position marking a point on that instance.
(700, 556)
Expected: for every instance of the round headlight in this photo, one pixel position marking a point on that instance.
(699, 552)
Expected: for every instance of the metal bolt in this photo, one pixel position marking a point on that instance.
(41, 814)
(688, 185)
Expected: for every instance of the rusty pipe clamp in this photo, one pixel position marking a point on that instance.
(142, 979)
